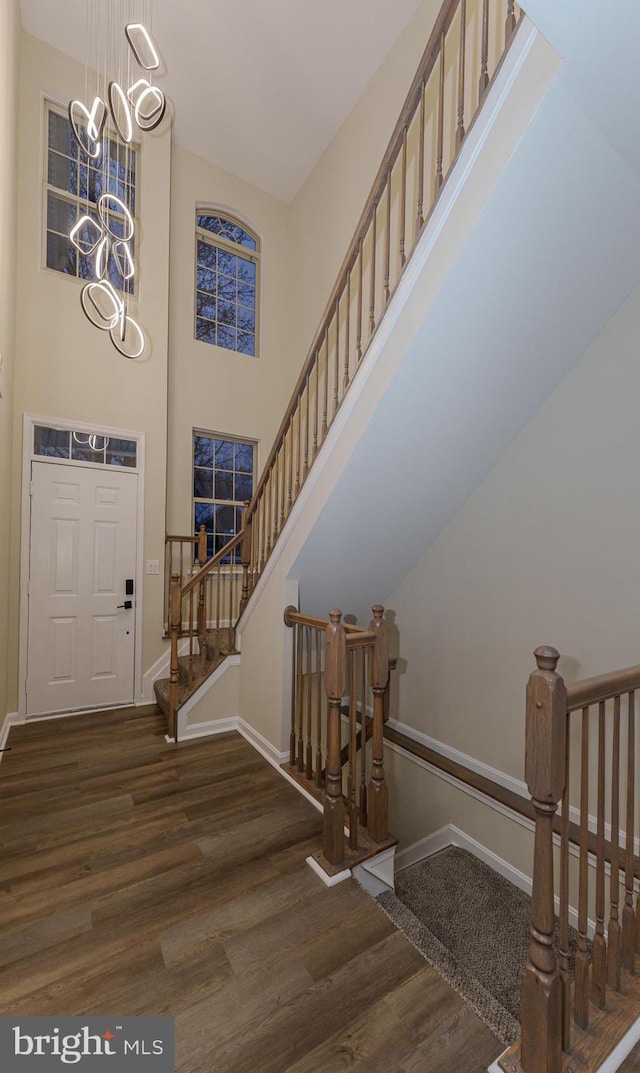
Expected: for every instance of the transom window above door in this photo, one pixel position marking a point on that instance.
(227, 283)
(76, 445)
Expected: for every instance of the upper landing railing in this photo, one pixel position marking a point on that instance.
(464, 52)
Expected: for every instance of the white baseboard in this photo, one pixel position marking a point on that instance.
(329, 881)
(11, 719)
(450, 835)
(516, 786)
(208, 729)
(377, 874)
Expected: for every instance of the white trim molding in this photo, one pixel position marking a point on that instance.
(12, 719)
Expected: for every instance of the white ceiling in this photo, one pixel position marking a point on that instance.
(258, 88)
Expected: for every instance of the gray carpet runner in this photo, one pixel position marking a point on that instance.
(472, 926)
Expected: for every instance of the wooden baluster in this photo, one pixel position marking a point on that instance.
(326, 383)
(372, 287)
(175, 623)
(461, 72)
(268, 491)
(563, 921)
(262, 508)
(300, 697)
(319, 764)
(231, 588)
(309, 753)
(360, 281)
(541, 998)
(218, 608)
(420, 212)
(336, 371)
(283, 464)
(614, 953)
(403, 199)
(599, 955)
(202, 612)
(387, 243)
(510, 22)
(202, 625)
(307, 390)
(299, 448)
(363, 739)
(288, 611)
(378, 797)
(335, 663)
(353, 749)
(317, 404)
(247, 531)
(276, 497)
(440, 145)
(484, 58)
(191, 634)
(290, 465)
(202, 546)
(628, 915)
(581, 988)
(347, 328)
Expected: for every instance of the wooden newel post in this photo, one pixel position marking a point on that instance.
(335, 671)
(175, 616)
(246, 555)
(378, 798)
(202, 598)
(541, 998)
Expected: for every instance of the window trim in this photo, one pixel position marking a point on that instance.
(52, 105)
(255, 256)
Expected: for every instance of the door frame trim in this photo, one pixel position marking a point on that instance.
(29, 420)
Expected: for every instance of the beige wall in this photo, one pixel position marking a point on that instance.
(67, 369)
(9, 48)
(210, 387)
(545, 551)
(325, 212)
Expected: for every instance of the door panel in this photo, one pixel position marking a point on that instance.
(82, 549)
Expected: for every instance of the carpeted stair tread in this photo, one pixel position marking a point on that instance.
(220, 644)
(473, 926)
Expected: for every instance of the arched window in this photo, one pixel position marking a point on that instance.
(227, 282)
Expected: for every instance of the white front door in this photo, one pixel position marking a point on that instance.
(82, 551)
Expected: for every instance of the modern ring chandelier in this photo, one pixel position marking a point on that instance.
(109, 235)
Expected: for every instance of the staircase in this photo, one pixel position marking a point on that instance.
(193, 670)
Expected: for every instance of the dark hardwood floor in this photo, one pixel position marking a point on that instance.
(138, 877)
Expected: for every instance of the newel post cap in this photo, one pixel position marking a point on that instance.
(546, 657)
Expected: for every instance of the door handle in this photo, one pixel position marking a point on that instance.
(128, 604)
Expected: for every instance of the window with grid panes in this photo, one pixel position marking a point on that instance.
(223, 479)
(74, 184)
(227, 271)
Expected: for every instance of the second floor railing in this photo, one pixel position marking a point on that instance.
(464, 52)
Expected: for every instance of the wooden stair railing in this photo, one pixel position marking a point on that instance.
(444, 99)
(340, 676)
(564, 1025)
(205, 610)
